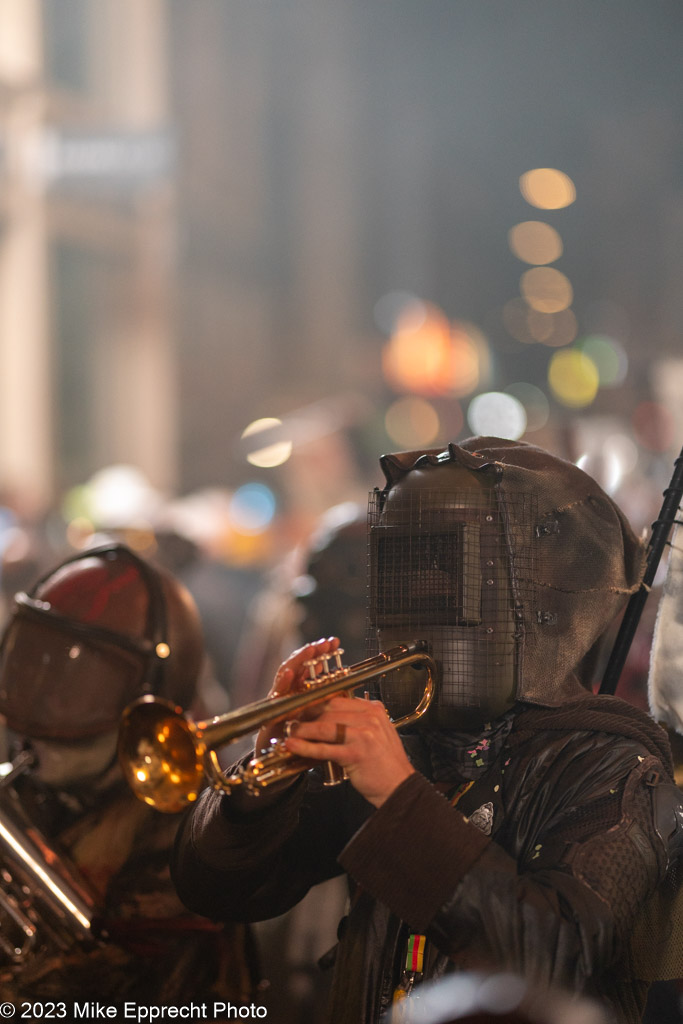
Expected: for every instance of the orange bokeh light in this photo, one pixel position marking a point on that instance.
(546, 290)
(547, 188)
(431, 357)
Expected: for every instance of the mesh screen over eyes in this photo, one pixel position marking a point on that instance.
(455, 569)
(431, 578)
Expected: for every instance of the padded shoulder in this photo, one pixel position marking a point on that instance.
(667, 809)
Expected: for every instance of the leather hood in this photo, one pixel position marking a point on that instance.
(583, 558)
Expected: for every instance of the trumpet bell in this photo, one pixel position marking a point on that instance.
(164, 754)
(160, 753)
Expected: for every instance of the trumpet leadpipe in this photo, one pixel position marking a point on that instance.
(165, 754)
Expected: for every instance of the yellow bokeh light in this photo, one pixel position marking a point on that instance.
(535, 242)
(547, 188)
(258, 426)
(573, 378)
(239, 548)
(546, 289)
(412, 422)
(269, 455)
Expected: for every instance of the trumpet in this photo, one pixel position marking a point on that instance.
(165, 755)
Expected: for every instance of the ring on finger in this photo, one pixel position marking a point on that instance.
(340, 735)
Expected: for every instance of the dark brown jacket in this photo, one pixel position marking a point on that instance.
(553, 893)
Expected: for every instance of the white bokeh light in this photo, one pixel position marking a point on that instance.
(120, 496)
(495, 414)
(611, 462)
(268, 455)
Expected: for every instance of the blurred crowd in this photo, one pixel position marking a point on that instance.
(254, 611)
(258, 599)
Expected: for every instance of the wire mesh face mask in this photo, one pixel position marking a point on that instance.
(443, 569)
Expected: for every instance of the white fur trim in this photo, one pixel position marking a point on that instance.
(665, 682)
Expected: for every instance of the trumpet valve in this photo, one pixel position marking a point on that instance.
(318, 669)
(333, 774)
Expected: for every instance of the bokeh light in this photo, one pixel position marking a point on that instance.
(553, 329)
(615, 459)
(497, 414)
(573, 378)
(412, 422)
(252, 508)
(76, 503)
(79, 532)
(547, 188)
(469, 341)
(624, 451)
(114, 497)
(269, 455)
(468, 361)
(653, 426)
(142, 540)
(515, 317)
(535, 402)
(546, 289)
(609, 356)
(417, 353)
(533, 241)
(430, 357)
(531, 325)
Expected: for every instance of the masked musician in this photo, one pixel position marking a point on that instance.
(525, 825)
(98, 631)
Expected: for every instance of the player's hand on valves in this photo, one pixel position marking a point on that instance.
(289, 678)
(358, 735)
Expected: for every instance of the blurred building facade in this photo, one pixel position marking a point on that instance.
(87, 223)
(202, 204)
(144, 311)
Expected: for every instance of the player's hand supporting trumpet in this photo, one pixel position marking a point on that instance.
(350, 731)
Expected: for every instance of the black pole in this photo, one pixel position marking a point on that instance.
(661, 528)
